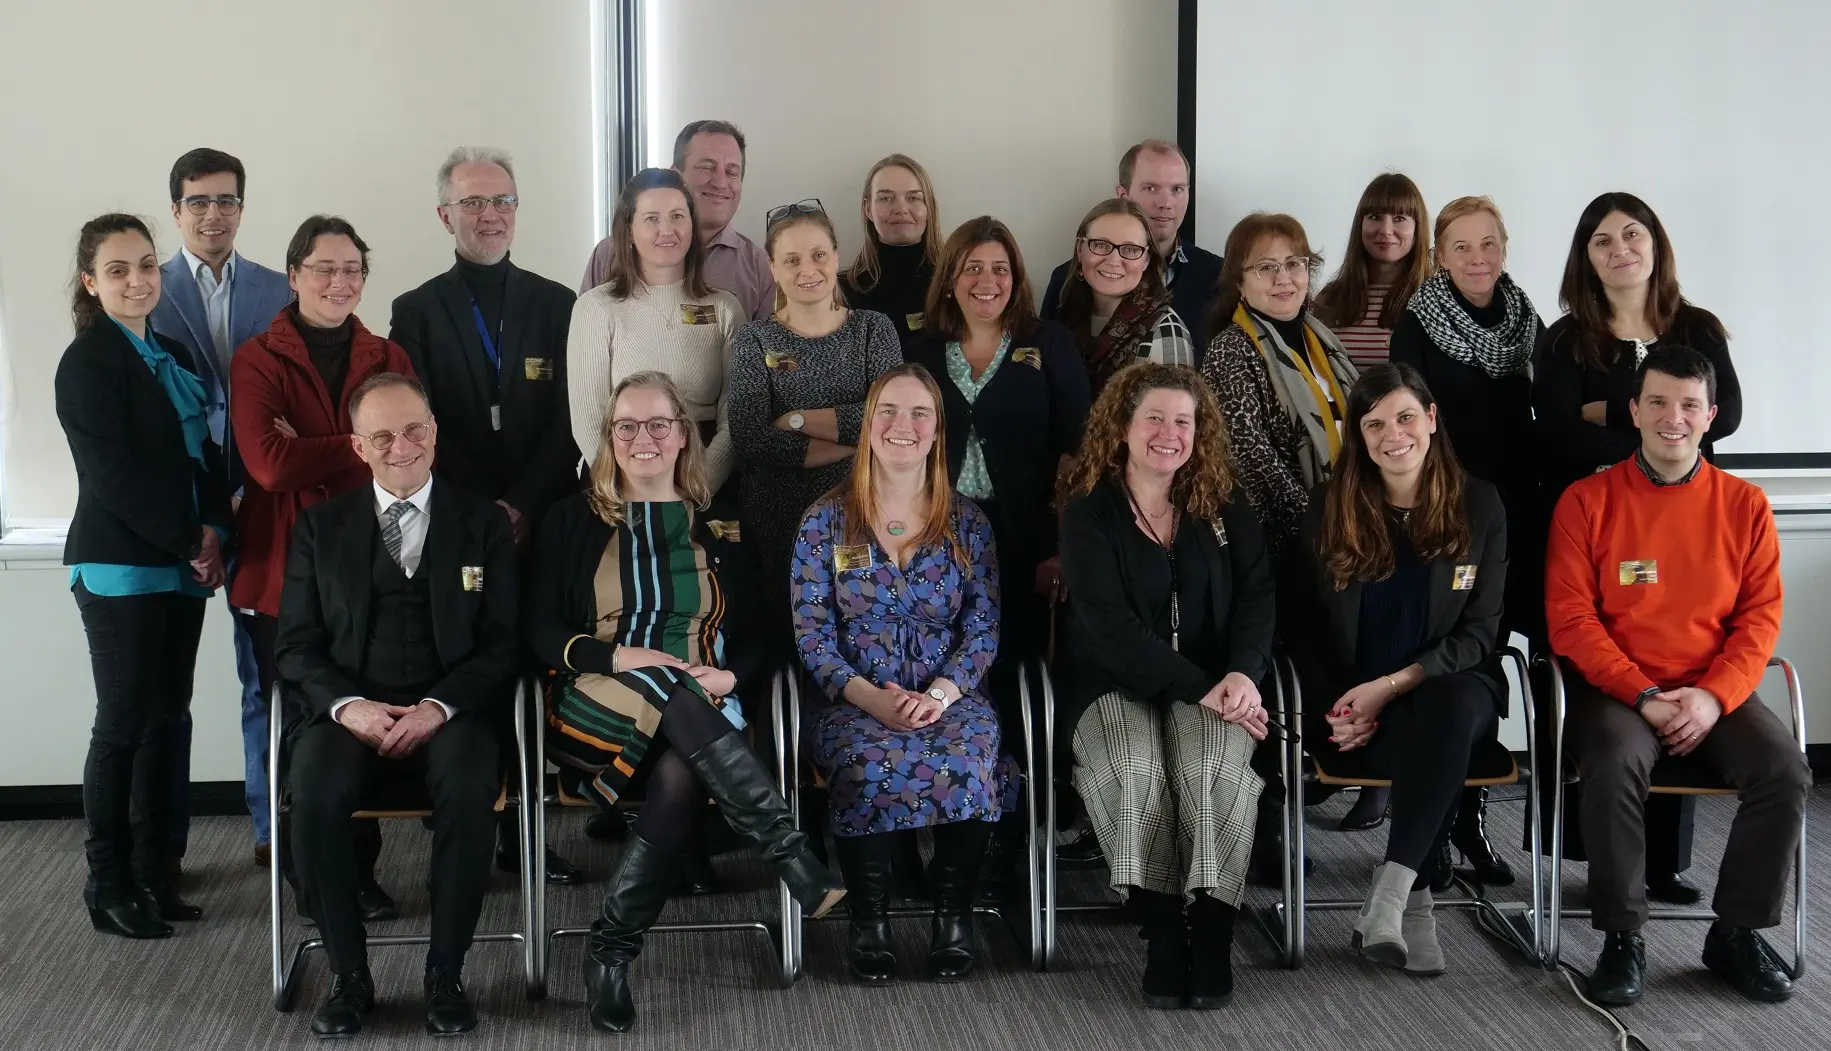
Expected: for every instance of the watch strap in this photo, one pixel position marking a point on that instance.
(1646, 695)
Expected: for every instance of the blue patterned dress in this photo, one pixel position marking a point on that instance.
(932, 619)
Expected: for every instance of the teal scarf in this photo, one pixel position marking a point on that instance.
(181, 385)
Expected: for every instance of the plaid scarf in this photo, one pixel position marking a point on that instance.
(1117, 345)
(1499, 351)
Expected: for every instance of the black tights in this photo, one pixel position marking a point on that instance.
(674, 798)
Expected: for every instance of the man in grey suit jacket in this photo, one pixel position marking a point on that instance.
(212, 301)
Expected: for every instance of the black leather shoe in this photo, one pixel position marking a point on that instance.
(1673, 889)
(1470, 834)
(953, 878)
(1166, 954)
(352, 997)
(607, 826)
(1742, 958)
(1369, 811)
(1441, 869)
(866, 862)
(1210, 953)
(608, 1000)
(638, 890)
(1618, 979)
(448, 1010)
(133, 918)
(560, 872)
(374, 903)
(165, 903)
(1083, 849)
(697, 877)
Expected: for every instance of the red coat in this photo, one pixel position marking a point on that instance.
(271, 376)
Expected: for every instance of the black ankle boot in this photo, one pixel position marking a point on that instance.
(131, 918)
(1166, 954)
(1210, 953)
(1266, 867)
(748, 799)
(162, 901)
(866, 862)
(638, 891)
(960, 849)
(1470, 834)
(1441, 868)
(1618, 977)
(1368, 811)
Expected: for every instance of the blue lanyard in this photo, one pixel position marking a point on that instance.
(489, 345)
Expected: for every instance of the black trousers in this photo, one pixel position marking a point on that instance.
(1423, 745)
(1614, 749)
(332, 772)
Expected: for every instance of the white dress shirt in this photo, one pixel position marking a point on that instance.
(413, 544)
(215, 303)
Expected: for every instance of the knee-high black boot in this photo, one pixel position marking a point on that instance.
(866, 863)
(748, 799)
(954, 874)
(637, 893)
(1470, 834)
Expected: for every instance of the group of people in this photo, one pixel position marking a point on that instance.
(911, 478)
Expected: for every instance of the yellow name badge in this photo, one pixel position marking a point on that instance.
(724, 530)
(537, 368)
(472, 576)
(913, 322)
(779, 362)
(1028, 356)
(851, 556)
(698, 314)
(1640, 572)
(1463, 578)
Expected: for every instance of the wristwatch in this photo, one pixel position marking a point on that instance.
(938, 694)
(796, 420)
(1646, 695)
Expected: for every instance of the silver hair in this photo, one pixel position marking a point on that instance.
(472, 155)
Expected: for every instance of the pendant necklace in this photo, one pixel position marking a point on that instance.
(895, 527)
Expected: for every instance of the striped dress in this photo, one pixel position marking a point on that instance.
(1365, 341)
(655, 588)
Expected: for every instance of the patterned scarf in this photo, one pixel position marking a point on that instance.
(1310, 383)
(1499, 351)
(1117, 345)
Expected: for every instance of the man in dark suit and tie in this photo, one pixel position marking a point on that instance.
(397, 634)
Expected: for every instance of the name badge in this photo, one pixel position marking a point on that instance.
(724, 530)
(776, 361)
(1028, 356)
(913, 322)
(495, 417)
(1639, 572)
(851, 556)
(537, 368)
(472, 576)
(1220, 533)
(698, 314)
(1463, 579)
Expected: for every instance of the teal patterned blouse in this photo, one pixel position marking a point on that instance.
(974, 481)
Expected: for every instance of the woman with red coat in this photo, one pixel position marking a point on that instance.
(290, 407)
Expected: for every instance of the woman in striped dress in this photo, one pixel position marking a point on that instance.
(634, 588)
(1387, 259)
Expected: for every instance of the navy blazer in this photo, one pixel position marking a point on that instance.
(1191, 296)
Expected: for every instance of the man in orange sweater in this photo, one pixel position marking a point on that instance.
(1662, 593)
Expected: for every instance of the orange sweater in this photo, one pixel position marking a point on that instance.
(1701, 601)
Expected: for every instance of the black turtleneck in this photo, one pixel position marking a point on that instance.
(901, 289)
(487, 286)
(329, 349)
(1490, 316)
(1291, 332)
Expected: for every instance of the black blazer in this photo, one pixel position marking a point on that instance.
(1191, 295)
(563, 604)
(140, 498)
(1028, 417)
(1114, 645)
(532, 461)
(324, 607)
(1321, 626)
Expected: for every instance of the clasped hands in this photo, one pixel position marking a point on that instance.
(1355, 717)
(717, 682)
(1236, 699)
(1683, 717)
(899, 709)
(393, 730)
(207, 569)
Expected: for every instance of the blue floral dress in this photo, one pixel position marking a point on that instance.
(858, 614)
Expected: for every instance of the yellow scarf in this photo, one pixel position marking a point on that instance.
(1329, 406)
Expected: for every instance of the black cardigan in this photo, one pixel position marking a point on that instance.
(1320, 626)
(1113, 645)
(562, 603)
(134, 480)
(1570, 447)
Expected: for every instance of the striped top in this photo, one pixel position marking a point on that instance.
(1365, 341)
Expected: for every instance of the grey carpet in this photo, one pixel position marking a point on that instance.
(63, 987)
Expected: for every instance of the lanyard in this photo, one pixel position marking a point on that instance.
(1169, 553)
(489, 345)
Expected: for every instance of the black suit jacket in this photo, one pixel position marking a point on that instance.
(140, 498)
(1191, 295)
(324, 608)
(1321, 626)
(532, 461)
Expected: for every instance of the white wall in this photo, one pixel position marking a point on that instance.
(342, 107)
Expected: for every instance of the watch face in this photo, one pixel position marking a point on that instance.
(938, 694)
(796, 421)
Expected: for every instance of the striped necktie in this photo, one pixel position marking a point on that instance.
(391, 530)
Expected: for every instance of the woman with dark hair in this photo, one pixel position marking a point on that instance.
(649, 674)
(1388, 257)
(145, 549)
(1171, 616)
(1114, 300)
(1622, 295)
(896, 261)
(1391, 611)
(654, 312)
(896, 617)
(797, 391)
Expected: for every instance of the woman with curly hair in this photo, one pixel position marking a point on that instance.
(1171, 620)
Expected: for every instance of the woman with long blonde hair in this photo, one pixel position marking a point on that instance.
(638, 598)
(896, 260)
(1170, 621)
(896, 617)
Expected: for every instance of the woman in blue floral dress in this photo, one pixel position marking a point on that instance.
(895, 583)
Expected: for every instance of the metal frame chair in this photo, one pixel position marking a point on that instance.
(788, 765)
(1557, 912)
(286, 969)
(1519, 922)
(787, 966)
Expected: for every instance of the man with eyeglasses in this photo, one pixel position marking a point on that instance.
(213, 301)
(710, 157)
(488, 341)
(1156, 175)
